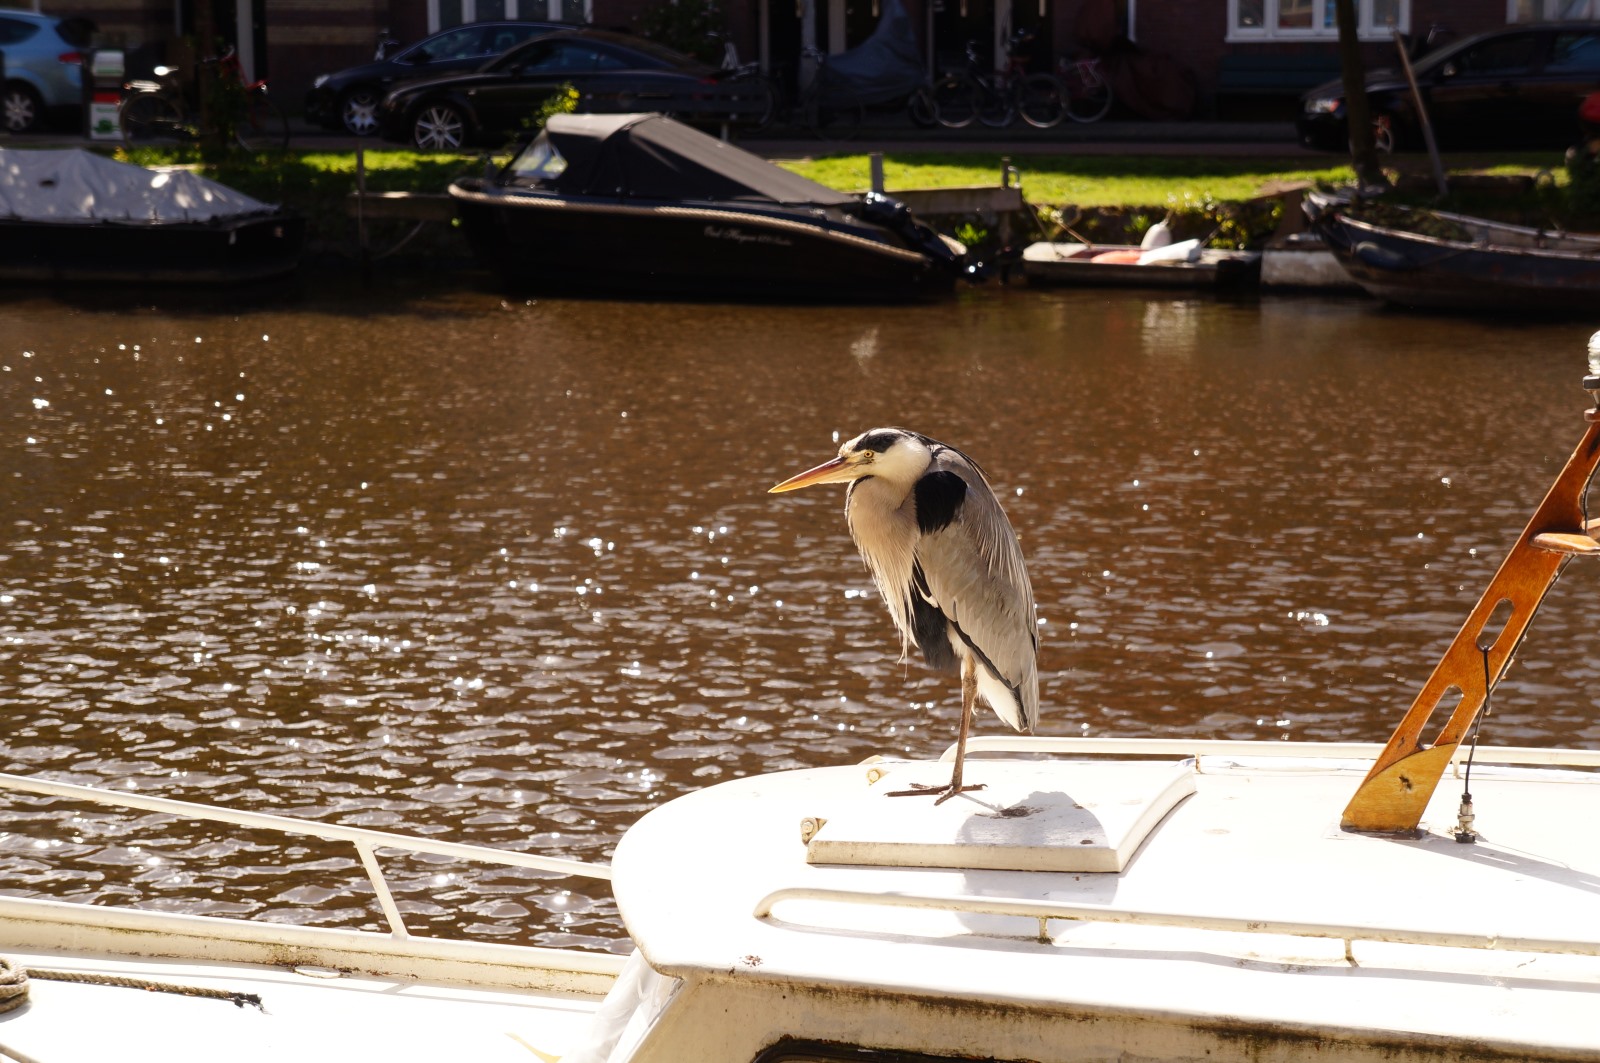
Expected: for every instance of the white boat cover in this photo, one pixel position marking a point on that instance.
(80, 186)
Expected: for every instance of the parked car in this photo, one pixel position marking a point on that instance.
(1517, 87)
(613, 73)
(349, 98)
(43, 68)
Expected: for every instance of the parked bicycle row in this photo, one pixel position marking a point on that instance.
(834, 105)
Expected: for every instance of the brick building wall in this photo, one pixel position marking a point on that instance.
(1197, 33)
(308, 37)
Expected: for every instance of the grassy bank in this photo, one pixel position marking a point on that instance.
(1233, 194)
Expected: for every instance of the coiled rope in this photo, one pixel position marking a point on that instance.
(14, 986)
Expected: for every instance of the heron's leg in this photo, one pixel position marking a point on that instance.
(969, 702)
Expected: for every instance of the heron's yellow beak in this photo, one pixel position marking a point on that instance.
(839, 470)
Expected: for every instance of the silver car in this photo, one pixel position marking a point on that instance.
(44, 58)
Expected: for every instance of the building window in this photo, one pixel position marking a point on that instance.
(1551, 10)
(1289, 20)
(442, 14)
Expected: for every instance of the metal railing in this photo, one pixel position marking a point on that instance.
(1522, 756)
(1046, 911)
(366, 842)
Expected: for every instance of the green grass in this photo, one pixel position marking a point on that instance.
(1082, 180)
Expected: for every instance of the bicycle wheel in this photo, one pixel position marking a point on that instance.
(263, 126)
(149, 118)
(755, 104)
(955, 101)
(920, 106)
(1088, 93)
(1041, 103)
(997, 107)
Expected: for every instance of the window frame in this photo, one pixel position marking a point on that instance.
(1270, 31)
(1549, 11)
(515, 11)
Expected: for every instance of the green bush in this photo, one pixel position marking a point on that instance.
(696, 27)
(1583, 182)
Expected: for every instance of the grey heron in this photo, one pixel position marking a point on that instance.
(948, 565)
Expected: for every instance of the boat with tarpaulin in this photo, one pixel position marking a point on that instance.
(642, 204)
(73, 215)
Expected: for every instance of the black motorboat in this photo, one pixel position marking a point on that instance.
(641, 204)
(74, 215)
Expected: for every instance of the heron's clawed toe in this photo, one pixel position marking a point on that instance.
(941, 794)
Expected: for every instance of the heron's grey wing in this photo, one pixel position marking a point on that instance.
(972, 567)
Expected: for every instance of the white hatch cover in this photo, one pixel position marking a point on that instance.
(1030, 816)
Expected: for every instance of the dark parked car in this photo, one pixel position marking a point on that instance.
(613, 73)
(350, 98)
(1517, 87)
(43, 68)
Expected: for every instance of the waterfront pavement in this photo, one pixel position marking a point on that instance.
(1197, 138)
(1218, 139)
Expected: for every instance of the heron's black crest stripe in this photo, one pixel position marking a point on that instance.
(939, 496)
(880, 441)
(930, 625)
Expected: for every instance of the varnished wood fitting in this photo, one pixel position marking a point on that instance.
(1567, 543)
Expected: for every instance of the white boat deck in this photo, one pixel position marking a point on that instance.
(808, 906)
(1247, 914)
(317, 1015)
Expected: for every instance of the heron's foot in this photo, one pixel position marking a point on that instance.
(940, 794)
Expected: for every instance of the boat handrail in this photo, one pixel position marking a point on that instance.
(365, 840)
(1045, 911)
(1525, 756)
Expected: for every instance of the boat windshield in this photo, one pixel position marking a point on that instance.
(539, 162)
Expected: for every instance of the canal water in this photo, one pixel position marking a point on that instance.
(506, 572)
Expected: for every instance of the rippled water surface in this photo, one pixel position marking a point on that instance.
(506, 573)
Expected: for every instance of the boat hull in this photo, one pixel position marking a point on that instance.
(1415, 270)
(539, 240)
(1076, 263)
(225, 252)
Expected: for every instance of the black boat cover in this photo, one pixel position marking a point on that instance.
(650, 156)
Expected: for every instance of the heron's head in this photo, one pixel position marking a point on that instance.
(895, 454)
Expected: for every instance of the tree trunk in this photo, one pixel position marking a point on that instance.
(1363, 152)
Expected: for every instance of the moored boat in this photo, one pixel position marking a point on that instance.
(641, 204)
(1433, 259)
(1181, 265)
(76, 216)
(1169, 899)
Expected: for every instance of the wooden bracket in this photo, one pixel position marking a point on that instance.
(1396, 791)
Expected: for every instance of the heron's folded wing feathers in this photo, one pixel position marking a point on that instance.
(974, 569)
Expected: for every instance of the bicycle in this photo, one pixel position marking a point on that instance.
(822, 109)
(1085, 88)
(160, 112)
(996, 100)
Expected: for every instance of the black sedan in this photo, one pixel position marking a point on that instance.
(612, 72)
(1512, 88)
(349, 98)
